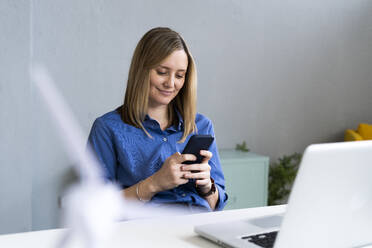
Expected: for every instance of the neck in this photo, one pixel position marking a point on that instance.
(160, 114)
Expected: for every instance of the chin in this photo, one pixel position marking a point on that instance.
(163, 101)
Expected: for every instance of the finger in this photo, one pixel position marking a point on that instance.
(203, 182)
(184, 175)
(185, 157)
(207, 155)
(197, 175)
(178, 158)
(196, 167)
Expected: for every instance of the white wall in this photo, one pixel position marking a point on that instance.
(15, 138)
(278, 74)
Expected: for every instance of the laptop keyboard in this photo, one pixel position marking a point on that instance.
(265, 240)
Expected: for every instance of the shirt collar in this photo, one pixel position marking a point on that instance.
(149, 122)
(180, 119)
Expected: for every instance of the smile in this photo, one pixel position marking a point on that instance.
(165, 92)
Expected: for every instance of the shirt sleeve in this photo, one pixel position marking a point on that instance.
(101, 142)
(216, 172)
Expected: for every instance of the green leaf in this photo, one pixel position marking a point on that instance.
(242, 147)
(282, 174)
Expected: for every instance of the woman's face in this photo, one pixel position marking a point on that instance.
(167, 78)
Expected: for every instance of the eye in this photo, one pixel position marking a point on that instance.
(161, 72)
(180, 76)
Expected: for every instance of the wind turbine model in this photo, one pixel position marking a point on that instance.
(92, 206)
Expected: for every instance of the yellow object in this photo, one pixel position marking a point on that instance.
(364, 132)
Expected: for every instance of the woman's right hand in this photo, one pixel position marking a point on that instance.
(170, 174)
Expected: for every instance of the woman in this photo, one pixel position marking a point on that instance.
(139, 143)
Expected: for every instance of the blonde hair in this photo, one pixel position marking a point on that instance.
(151, 50)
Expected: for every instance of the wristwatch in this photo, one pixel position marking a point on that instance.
(210, 192)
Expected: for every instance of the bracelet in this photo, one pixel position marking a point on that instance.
(137, 193)
(210, 192)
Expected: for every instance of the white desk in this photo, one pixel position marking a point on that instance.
(160, 232)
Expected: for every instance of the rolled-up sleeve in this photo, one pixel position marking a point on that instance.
(216, 172)
(101, 142)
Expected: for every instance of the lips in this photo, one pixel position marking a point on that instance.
(165, 92)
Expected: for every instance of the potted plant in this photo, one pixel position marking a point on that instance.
(281, 177)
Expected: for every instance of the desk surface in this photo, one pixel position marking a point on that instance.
(176, 231)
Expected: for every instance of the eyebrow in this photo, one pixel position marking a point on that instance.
(166, 67)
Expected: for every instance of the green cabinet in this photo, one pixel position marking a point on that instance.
(246, 178)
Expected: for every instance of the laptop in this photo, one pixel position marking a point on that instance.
(330, 205)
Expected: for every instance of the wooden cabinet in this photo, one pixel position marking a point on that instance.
(246, 178)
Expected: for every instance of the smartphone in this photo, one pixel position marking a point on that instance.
(196, 143)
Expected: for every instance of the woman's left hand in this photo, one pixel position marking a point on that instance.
(203, 175)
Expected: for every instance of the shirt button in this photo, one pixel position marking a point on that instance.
(164, 139)
(183, 195)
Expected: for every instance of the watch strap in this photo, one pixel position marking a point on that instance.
(210, 192)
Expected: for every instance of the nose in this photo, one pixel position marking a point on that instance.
(169, 83)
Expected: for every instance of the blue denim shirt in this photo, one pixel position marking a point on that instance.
(128, 156)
